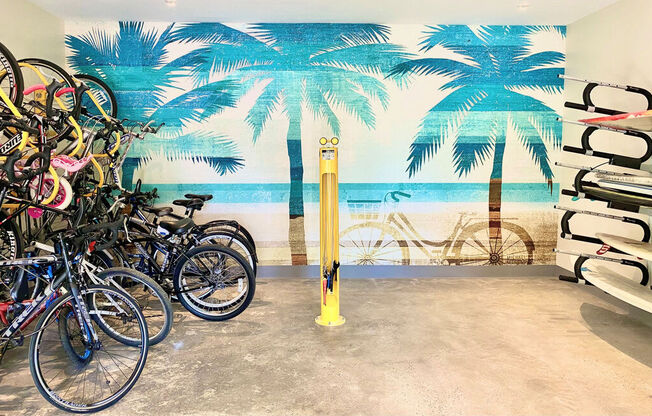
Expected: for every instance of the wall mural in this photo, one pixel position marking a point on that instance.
(446, 131)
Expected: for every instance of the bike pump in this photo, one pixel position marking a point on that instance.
(329, 234)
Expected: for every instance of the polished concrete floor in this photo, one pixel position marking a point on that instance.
(500, 346)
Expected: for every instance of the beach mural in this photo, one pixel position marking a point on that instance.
(447, 132)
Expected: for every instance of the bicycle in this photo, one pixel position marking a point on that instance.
(388, 241)
(68, 341)
(211, 281)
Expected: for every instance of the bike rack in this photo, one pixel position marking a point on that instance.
(329, 235)
(580, 181)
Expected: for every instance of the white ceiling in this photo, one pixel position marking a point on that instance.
(358, 11)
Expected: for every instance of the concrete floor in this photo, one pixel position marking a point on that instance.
(530, 346)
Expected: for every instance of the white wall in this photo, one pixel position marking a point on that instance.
(31, 32)
(611, 45)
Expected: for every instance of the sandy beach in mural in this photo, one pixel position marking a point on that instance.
(431, 223)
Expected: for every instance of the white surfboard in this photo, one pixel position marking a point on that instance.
(620, 287)
(625, 186)
(636, 248)
(644, 178)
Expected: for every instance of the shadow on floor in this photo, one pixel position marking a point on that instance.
(630, 333)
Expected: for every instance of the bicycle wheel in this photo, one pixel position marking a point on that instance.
(154, 303)
(11, 79)
(372, 244)
(40, 71)
(231, 226)
(231, 240)
(102, 94)
(214, 282)
(11, 247)
(113, 367)
(474, 246)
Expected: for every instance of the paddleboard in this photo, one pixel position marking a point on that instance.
(618, 196)
(636, 248)
(639, 121)
(620, 287)
(627, 187)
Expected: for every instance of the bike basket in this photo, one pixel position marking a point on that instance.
(364, 209)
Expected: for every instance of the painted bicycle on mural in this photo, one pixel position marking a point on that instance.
(385, 237)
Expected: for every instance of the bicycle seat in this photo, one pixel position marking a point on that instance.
(195, 203)
(178, 227)
(159, 212)
(203, 197)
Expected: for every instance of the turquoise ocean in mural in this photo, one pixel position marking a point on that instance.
(258, 193)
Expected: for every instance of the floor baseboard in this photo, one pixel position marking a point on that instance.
(409, 272)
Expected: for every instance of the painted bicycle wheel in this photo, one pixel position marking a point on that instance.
(476, 247)
(373, 243)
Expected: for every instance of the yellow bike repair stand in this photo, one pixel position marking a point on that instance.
(329, 235)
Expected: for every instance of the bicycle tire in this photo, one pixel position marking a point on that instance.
(234, 241)
(50, 315)
(89, 80)
(11, 247)
(66, 79)
(156, 335)
(12, 77)
(80, 358)
(198, 305)
(527, 257)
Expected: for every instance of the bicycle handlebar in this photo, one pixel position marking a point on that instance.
(394, 194)
(9, 167)
(112, 227)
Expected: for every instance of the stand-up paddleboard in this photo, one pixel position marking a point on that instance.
(618, 196)
(636, 248)
(626, 187)
(639, 121)
(619, 287)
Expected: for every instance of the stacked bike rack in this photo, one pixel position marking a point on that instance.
(604, 162)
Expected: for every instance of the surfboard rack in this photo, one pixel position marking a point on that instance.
(587, 102)
(584, 257)
(614, 159)
(567, 234)
(621, 200)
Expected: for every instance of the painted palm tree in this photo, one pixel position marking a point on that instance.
(325, 67)
(134, 62)
(488, 98)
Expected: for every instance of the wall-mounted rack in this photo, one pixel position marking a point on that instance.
(622, 185)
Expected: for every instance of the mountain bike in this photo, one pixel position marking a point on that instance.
(387, 241)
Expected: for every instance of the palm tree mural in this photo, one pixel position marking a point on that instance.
(487, 98)
(134, 62)
(325, 67)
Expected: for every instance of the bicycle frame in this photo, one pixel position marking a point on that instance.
(43, 300)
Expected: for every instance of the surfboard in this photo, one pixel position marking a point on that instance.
(618, 196)
(620, 287)
(636, 248)
(626, 187)
(644, 179)
(639, 121)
